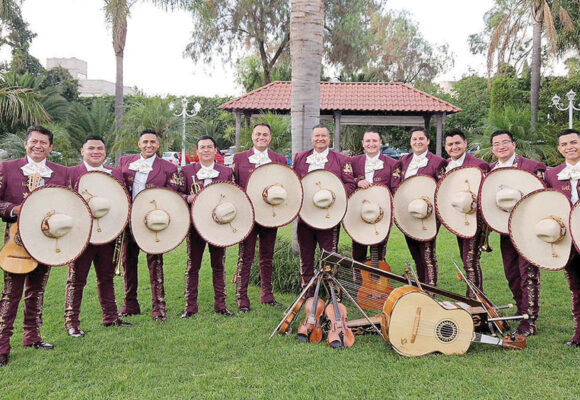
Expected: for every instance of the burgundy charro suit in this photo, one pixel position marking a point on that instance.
(164, 174)
(196, 245)
(523, 277)
(382, 176)
(470, 249)
(13, 190)
(247, 249)
(423, 253)
(308, 237)
(572, 269)
(102, 257)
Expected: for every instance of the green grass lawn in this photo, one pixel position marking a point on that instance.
(214, 357)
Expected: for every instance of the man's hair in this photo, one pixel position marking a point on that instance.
(262, 124)
(149, 132)
(39, 129)
(418, 129)
(501, 132)
(320, 126)
(568, 131)
(454, 132)
(372, 131)
(94, 137)
(207, 137)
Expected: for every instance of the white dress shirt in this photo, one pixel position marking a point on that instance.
(455, 163)
(371, 165)
(141, 177)
(508, 163)
(207, 174)
(317, 160)
(99, 168)
(259, 157)
(418, 161)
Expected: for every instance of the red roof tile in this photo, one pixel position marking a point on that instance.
(346, 96)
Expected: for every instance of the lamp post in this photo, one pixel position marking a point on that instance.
(184, 115)
(571, 95)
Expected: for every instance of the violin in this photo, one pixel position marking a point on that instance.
(291, 315)
(374, 289)
(339, 335)
(311, 329)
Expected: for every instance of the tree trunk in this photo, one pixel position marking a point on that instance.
(537, 18)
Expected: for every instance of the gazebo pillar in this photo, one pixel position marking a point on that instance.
(337, 115)
(439, 141)
(238, 115)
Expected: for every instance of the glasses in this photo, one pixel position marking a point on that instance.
(502, 143)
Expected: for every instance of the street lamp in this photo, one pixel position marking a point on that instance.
(184, 115)
(571, 95)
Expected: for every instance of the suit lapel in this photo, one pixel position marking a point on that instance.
(157, 167)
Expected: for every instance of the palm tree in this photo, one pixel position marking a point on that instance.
(83, 122)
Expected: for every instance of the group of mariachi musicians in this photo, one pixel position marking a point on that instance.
(147, 170)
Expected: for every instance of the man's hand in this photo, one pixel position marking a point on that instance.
(190, 198)
(363, 184)
(16, 211)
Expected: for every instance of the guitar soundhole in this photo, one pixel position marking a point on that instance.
(446, 331)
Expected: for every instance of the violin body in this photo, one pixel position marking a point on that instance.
(285, 325)
(339, 335)
(374, 289)
(311, 329)
(13, 257)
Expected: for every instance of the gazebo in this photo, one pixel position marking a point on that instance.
(350, 103)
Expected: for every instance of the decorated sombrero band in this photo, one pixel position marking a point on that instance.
(501, 189)
(222, 214)
(54, 225)
(369, 215)
(456, 200)
(159, 220)
(110, 205)
(276, 194)
(325, 201)
(539, 228)
(414, 207)
(574, 224)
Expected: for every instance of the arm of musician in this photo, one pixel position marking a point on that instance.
(396, 177)
(540, 170)
(347, 177)
(363, 183)
(7, 209)
(174, 179)
(236, 168)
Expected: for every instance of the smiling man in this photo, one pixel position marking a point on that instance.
(17, 179)
(140, 172)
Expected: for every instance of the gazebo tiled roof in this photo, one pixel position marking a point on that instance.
(376, 97)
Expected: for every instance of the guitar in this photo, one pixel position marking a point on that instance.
(374, 289)
(419, 325)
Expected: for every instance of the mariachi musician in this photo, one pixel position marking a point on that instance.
(93, 154)
(369, 168)
(523, 277)
(565, 178)
(320, 157)
(195, 177)
(143, 171)
(421, 162)
(469, 249)
(16, 182)
(244, 163)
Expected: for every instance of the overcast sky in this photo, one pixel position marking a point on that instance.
(154, 59)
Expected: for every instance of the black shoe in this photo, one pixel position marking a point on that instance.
(244, 310)
(3, 359)
(75, 332)
(187, 314)
(118, 322)
(573, 343)
(273, 303)
(225, 312)
(129, 314)
(40, 345)
(161, 318)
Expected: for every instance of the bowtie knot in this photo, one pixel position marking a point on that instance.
(141, 165)
(317, 159)
(100, 168)
(452, 164)
(259, 158)
(207, 173)
(569, 173)
(418, 162)
(373, 164)
(33, 168)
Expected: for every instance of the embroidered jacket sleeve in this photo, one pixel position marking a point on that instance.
(5, 206)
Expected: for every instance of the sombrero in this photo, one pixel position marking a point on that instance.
(500, 191)
(159, 220)
(276, 194)
(369, 215)
(414, 208)
(54, 225)
(222, 214)
(456, 200)
(109, 203)
(539, 228)
(325, 201)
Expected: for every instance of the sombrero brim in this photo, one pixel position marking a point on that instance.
(520, 179)
(361, 231)
(459, 179)
(171, 237)
(411, 189)
(36, 206)
(527, 212)
(319, 218)
(108, 227)
(222, 235)
(269, 174)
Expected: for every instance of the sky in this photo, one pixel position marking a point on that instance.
(156, 41)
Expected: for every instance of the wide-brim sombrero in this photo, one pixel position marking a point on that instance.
(369, 215)
(325, 200)
(416, 192)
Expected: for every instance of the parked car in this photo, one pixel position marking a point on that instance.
(171, 156)
(393, 152)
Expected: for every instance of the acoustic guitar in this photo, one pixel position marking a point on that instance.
(374, 289)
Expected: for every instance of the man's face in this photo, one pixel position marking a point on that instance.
(372, 143)
(419, 142)
(261, 136)
(320, 139)
(455, 146)
(569, 147)
(206, 151)
(94, 153)
(503, 147)
(37, 146)
(149, 144)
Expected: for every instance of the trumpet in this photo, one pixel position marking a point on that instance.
(117, 254)
(485, 247)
